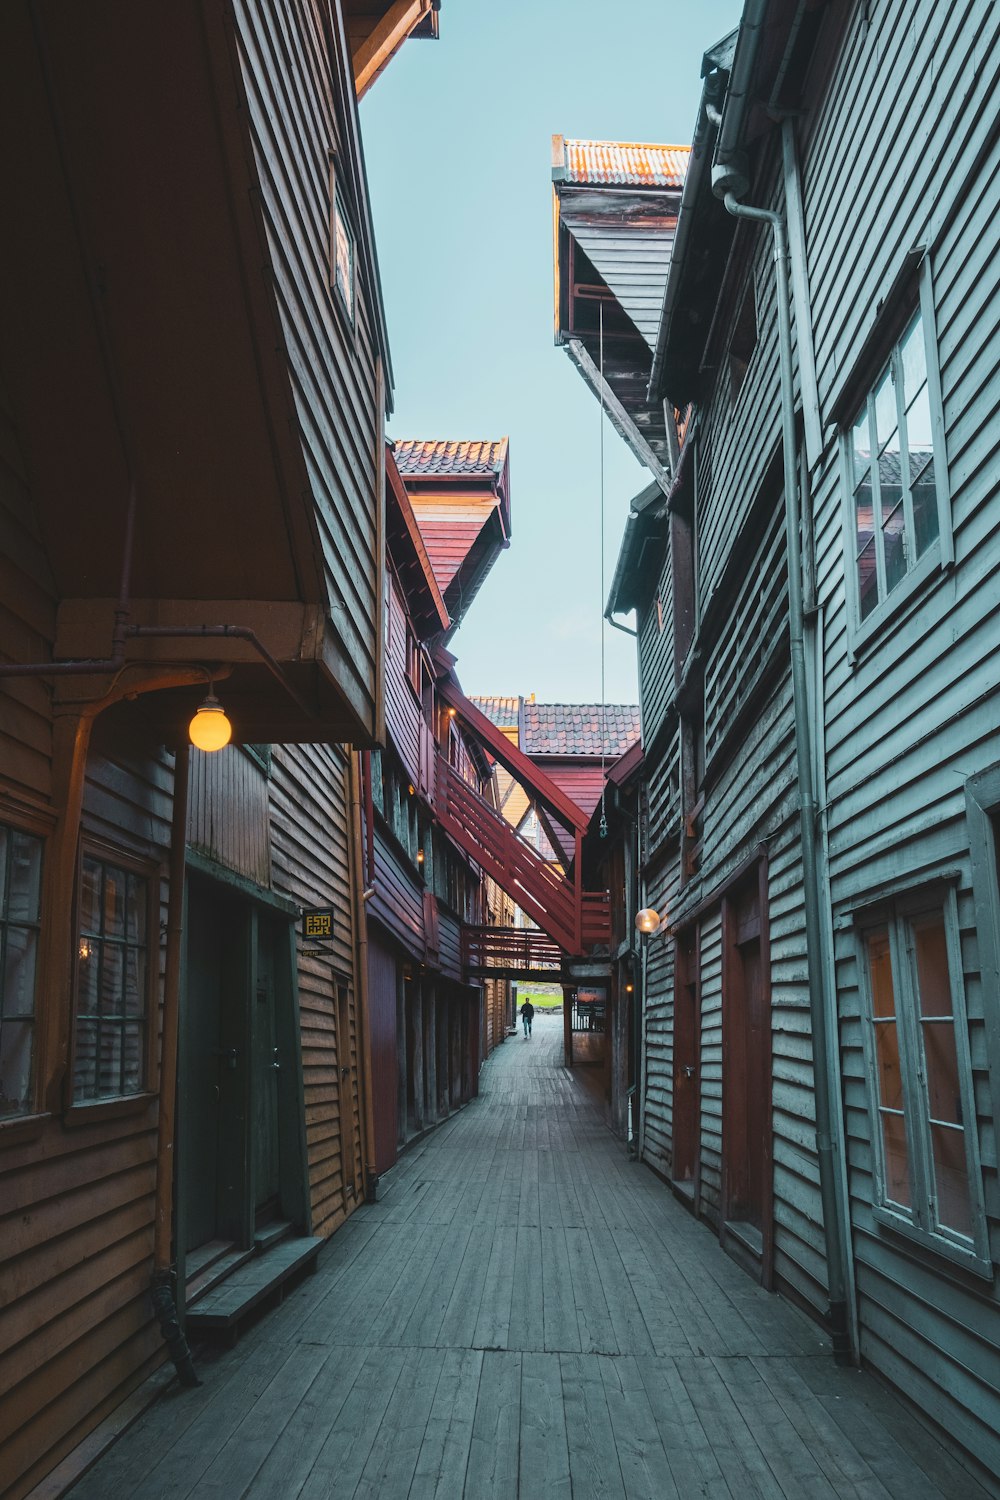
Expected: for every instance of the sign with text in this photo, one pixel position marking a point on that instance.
(317, 924)
(593, 996)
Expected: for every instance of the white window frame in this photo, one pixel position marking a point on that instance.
(940, 553)
(24, 924)
(918, 1223)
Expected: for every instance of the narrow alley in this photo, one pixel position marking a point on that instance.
(525, 1312)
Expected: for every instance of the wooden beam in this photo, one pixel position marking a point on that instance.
(388, 34)
(617, 415)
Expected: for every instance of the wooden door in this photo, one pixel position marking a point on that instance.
(200, 1090)
(687, 1076)
(746, 1074)
(267, 1079)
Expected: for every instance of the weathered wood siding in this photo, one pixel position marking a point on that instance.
(228, 812)
(658, 1010)
(293, 96)
(655, 624)
(917, 713)
(310, 823)
(402, 706)
(77, 1204)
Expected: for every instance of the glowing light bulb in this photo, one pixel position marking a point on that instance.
(210, 729)
(647, 920)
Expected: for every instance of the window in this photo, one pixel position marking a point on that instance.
(112, 991)
(20, 902)
(896, 476)
(343, 249)
(413, 665)
(927, 1175)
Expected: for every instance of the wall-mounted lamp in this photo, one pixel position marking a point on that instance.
(451, 713)
(629, 988)
(210, 729)
(412, 789)
(648, 921)
(420, 856)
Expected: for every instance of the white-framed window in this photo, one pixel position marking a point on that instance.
(343, 249)
(20, 913)
(895, 474)
(926, 1170)
(113, 981)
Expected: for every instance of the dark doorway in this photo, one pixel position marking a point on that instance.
(746, 1076)
(687, 1073)
(347, 1089)
(266, 1082)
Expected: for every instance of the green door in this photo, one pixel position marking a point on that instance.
(267, 1080)
(200, 1098)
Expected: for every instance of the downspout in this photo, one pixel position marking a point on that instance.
(728, 180)
(361, 967)
(164, 1281)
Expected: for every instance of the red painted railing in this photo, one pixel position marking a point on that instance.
(511, 950)
(575, 921)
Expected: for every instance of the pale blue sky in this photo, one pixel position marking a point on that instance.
(457, 140)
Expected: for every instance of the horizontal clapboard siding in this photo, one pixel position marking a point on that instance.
(290, 92)
(656, 652)
(308, 793)
(917, 713)
(658, 1018)
(228, 812)
(402, 707)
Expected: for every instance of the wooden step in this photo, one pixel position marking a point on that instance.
(221, 1310)
(218, 1270)
(272, 1234)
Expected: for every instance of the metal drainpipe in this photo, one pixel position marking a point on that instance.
(725, 179)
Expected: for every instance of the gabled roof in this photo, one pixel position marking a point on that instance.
(579, 729)
(624, 163)
(503, 712)
(415, 458)
(460, 494)
(376, 29)
(404, 541)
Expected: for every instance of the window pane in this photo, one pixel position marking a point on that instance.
(25, 876)
(880, 972)
(135, 910)
(885, 407)
(897, 1177)
(88, 972)
(85, 1072)
(921, 471)
(861, 446)
(931, 948)
(894, 546)
(867, 580)
(109, 1061)
(944, 1096)
(135, 982)
(17, 996)
(90, 897)
(864, 515)
(134, 1070)
(913, 358)
(15, 1066)
(115, 883)
(890, 1078)
(951, 1178)
(112, 979)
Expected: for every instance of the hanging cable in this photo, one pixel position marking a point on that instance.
(604, 710)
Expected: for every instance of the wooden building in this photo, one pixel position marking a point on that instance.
(447, 519)
(817, 638)
(193, 385)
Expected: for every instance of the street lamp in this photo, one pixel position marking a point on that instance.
(210, 729)
(648, 921)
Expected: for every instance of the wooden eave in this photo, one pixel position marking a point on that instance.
(425, 602)
(376, 29)
(133, 223)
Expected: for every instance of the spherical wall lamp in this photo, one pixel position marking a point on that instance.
(647, 921)
(210, 729)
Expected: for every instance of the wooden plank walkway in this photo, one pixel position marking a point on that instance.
(526, 1313)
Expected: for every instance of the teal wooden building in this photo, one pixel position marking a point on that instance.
(815, 605)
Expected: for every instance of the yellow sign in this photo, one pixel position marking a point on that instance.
(318, 923)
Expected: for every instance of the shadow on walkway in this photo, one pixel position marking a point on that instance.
(526, 1313)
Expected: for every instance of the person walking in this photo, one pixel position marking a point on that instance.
(527, 1011)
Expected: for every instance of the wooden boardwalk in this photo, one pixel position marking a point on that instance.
(526, 1313)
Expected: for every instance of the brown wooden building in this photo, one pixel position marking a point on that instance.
(193, 383)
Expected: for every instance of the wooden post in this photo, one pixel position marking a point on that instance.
(419, 1087)
(567, 1027)
(402, 1114)
(166, 1119)
(578, 892)
(360, 914)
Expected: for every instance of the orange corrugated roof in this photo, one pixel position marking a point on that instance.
(626, 163)
(414, 458)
